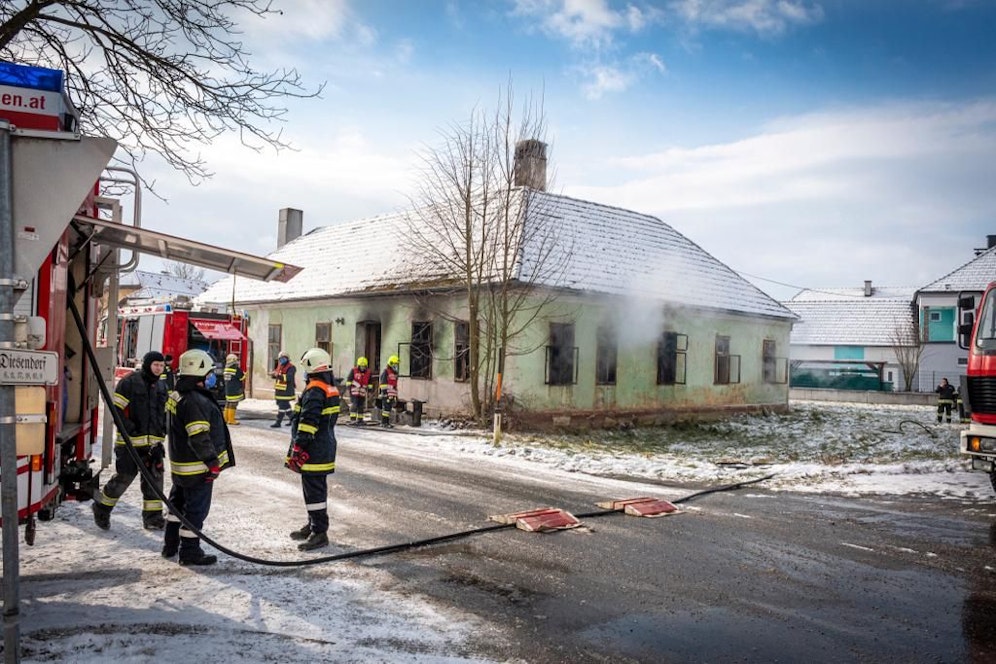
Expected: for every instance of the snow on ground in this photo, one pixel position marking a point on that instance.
(123, 603)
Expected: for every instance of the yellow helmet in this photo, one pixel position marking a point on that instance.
(393, 361)
(232, 358)
(316, 360)
(196, 363)
(362, 363)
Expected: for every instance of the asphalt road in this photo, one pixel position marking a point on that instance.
(739, 576)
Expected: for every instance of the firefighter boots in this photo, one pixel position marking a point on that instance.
(102, 516)
(153, 520)
(301, 533)
(199, 558)
(314, 541)
(280, 418)
(169, 550)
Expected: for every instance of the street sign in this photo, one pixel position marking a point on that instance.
(28, 367)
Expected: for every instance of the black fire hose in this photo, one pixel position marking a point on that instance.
(364, 553)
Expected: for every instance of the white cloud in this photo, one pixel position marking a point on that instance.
(310, 19)
(583, 23)
(602, 79)
(765, 17)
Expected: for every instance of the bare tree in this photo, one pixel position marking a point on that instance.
(185, 271)
(906, 341)
(477, 234)
(157, 75)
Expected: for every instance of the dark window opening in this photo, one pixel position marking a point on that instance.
(727, 366)
(461, 352)
(561, 355)
(606, 355)
(421, 351)
(672, 349)
(323, 337)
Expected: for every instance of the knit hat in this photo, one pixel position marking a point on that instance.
(149, 358)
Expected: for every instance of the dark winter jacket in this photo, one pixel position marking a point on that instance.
(284, 386)
(141, 398)
(198, 436)
(313, 424)
(234, 384)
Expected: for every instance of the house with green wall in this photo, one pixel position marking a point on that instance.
(640, 326)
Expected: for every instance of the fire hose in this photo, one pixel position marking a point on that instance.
(364, 553)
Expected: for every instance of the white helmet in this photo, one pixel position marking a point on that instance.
(316, 360)
(232, 358)
(196, 363)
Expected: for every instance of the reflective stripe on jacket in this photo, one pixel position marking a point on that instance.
(313, 427)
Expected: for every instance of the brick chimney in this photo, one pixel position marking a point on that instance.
(530, 164)
(289, 225)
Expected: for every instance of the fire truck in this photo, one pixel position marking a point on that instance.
(979, 329)
(61, 262)
(174, 327)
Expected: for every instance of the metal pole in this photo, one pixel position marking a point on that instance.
(8, 441)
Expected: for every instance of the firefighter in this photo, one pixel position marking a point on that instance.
(388, 391)
(167, 374)
(358, 382)
(283, 387)
(313, 446)
(141, 399)
(200, 447)
(945, 399)
(234, 387)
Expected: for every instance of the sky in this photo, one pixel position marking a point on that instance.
(130, 605)
(804, 143)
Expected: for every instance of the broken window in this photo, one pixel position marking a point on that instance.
(461, 351)
(561, 355)
(606, 353)
(727, 365)
(421, 350)
(672, 349)
(323, 337)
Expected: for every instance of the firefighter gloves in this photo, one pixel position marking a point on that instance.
(298, 457)
(213, 472)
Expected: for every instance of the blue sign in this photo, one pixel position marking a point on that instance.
(36, 78)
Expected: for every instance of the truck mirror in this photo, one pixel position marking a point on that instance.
(967, 303)
(965, 330)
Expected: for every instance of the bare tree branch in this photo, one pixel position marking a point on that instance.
(907, 343)
(159, 76)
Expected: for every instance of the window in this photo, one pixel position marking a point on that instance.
(461, 351)
(273, 336)
(727, 366)
(671, 357)
(561, 355)
(769, 364)
(421, 350)
(935, 316)
(606, 351)
(323, 337)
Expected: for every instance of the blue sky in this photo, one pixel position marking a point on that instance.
(815, 143)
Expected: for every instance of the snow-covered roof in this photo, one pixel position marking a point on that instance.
(845, 294)
(606, 250)
(974, 275)
(850, 321)
(157, 285)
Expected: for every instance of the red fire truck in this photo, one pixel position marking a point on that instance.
(63, 261)
(173, 328)
(979, 326)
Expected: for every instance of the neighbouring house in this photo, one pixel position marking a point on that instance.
(646, 327)
(937, 305)
(845, 337)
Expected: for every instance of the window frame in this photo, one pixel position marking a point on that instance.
(606, 354)
(420, 351)
(672, 345)
(561, 365)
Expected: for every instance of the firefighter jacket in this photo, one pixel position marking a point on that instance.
(313, 425)
(141, 398)
(283, 382)
(389, 383)
(234, 384)
(945, 394)
(358, 381)
(198, 436)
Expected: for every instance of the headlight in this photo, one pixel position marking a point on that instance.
(981, 444)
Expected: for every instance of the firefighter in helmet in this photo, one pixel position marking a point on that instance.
(358, 382)
(140, 398)
(200, 447)
(945, 399)
(313, 445)
(234, 387)
(284, 387)
(388, 391)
